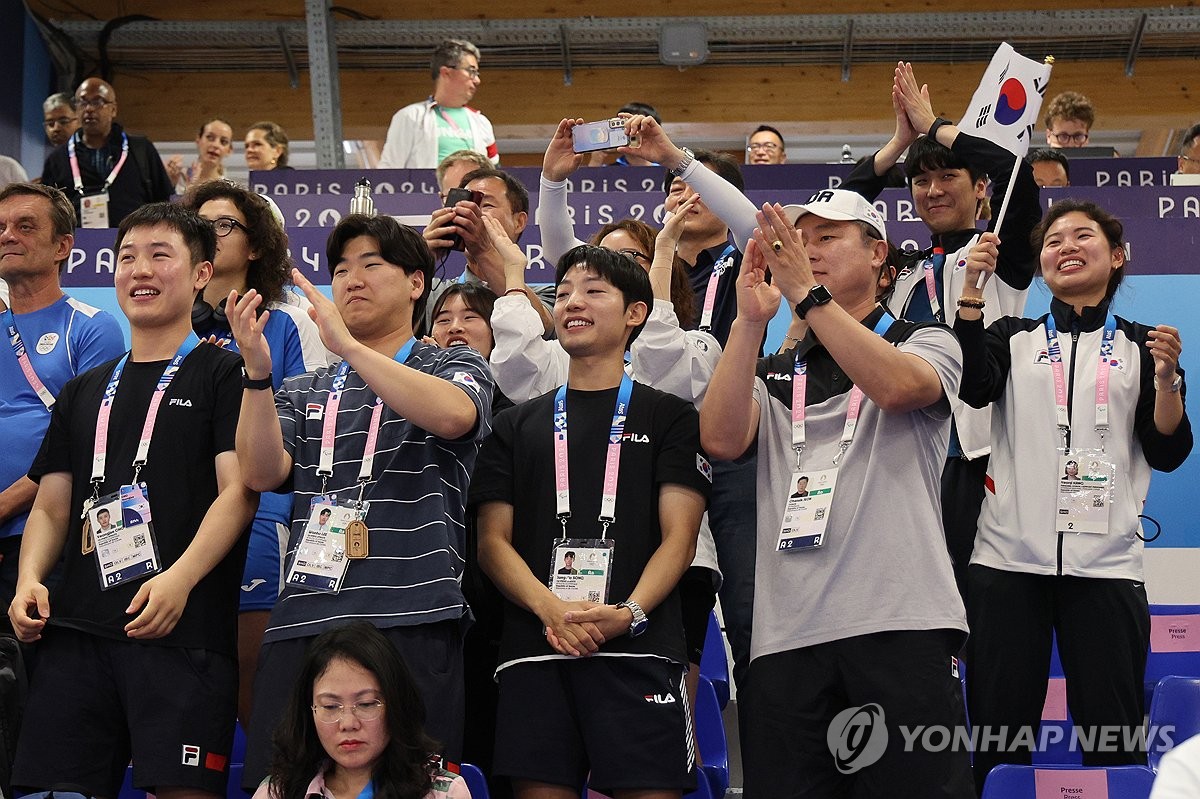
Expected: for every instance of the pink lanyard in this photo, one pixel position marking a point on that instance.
(1054, 352)
(938, 261)
(723, 262)
(800, 392)
(19, 350)
(457, 130)
(116, 170)
(612, 462)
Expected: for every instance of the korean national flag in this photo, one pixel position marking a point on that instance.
(1005, 107)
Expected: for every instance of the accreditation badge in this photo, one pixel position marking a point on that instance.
(93, 210)
(322, 556)
(122, 531)
(580, 569)
(1085, 490)
(806, 515)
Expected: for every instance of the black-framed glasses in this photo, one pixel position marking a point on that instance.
(225, 225)
(363, 711)
(765, 146)
(59, 122)
(472, 72)
(94, 102)
(636, 255)
(1069, 138)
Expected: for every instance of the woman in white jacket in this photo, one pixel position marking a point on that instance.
(1060, 552)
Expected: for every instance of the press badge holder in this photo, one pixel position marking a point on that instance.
(322, 556)
(127, 549)
(805, 518)
(93, 210)
(588, 578)
(1085, 491)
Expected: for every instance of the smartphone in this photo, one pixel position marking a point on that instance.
(453, 198)
(607, 134)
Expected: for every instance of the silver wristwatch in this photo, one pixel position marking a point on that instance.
(688, 157)
(640, 622)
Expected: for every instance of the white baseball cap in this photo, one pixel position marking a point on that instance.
(840, 205)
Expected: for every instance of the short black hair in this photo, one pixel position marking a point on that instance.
(769, 129)
(1189, 137)
(518, 195)
(197, 232)
(926, 154)
(722, 164)
(1048, 154)
(621, 271)
(645, 109)
(399, 245)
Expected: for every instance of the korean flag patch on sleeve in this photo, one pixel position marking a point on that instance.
(466, 379)
(704, 467)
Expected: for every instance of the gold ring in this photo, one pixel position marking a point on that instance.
(777, 245)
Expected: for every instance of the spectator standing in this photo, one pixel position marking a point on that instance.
(424, 133)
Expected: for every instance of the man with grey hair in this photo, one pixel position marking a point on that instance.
(61, 118)
(424, 133)
(1189, 151)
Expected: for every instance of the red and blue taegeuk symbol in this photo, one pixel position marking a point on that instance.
(1010, 105)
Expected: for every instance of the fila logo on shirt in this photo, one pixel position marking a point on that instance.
(784, 376)
(182, 403)
(660, 699)
(314, 411)
(212, 761)
(635, 438)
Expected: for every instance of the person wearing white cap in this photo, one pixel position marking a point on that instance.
(856, 613)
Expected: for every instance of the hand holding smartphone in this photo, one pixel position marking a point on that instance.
(453, 198)
(607, 134)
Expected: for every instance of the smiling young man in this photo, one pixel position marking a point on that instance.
(424, 133)
(589, 501)
(856, 602)
(53, 337)
(383, 441)
(948, 171)
(138, 634)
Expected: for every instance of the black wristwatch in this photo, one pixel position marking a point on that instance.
(937, 123)
(817, 295)
(256, 385)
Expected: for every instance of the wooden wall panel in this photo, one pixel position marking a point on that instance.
(803, 99)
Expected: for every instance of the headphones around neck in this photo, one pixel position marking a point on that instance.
(205, 317)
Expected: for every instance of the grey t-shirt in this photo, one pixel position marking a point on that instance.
(884, 565)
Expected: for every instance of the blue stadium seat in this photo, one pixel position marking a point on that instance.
(714, 664)
(710, 738)
(1054, 782)
(1176, 706)
(476, 782)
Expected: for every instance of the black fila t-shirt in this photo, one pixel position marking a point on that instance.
(196, 420)
(661, 444)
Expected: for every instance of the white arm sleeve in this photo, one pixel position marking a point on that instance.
(554, 221)
(524, 364)
(723, 199)
(677, 361)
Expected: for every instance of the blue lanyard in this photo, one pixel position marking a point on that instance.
(562, 487)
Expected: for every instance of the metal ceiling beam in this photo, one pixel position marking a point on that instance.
(1135, 45)
(323, 76)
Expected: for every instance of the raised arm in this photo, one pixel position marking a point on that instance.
(869, 177)
(554, 218)
(263, 461)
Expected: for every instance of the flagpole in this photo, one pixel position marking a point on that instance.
(1008, 190)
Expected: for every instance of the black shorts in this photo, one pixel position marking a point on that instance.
(625, 719)
(95, 703)
(697, 598)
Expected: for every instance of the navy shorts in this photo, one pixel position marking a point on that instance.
(95, 703)
(624, 719)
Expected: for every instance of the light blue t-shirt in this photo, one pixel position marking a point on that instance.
(63, 339)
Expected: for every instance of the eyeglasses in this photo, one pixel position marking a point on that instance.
(224, 226)
(1189, 158)
(59, 122)
(95, 102)
(363, 711)
(635, 255)
(1070, 138)
(764, 146)
(472, 72)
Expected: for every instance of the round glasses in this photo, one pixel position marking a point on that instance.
(224, 226)
(363, 711)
